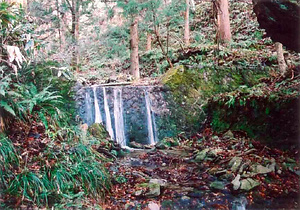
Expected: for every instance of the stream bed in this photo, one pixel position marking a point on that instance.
(172, 179)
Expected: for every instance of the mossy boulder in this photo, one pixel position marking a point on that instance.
(182, 82)
(98, 131)
(183, 97)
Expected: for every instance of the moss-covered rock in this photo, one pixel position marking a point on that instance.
(182, 82)
(183, 97)
(98, 131)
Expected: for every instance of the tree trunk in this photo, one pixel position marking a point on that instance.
(75, 34)
(223, 33)
(1, 122)
(187, 24)
(162, 48)
(134, 47)
(280, 58)
(149, 41)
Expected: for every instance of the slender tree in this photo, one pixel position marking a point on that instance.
(74, 7)
(149, 41)
(187, 23)
(134, 49)
(223, 24)
(131, 10)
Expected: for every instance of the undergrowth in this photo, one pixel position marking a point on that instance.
(43, 158)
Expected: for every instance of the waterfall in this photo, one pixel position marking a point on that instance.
(119, 119)
(126, 111)
(151, 131)
(98, 118)
(107, 114)
(88, 108)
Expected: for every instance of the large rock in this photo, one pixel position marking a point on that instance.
(281, 20)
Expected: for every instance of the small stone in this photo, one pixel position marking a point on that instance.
(217, 185)
(259, 169)
(161, 182)
(215, 152)
(185, 198)
(136, 145)
(201, 155)
(290, 160)
(160, 145)
(128, 205)
(153, 206)
(228, 134)
(138, 193)
(236, 182)
(272, 165)
(215, 138)
(154, 190)
(244, 166)
(248, 184)
(235, 163)
(163, 164)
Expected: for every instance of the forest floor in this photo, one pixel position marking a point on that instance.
(207, 172)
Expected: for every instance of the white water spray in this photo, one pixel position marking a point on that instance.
(150, 126)
(119, 119)
(107, 114)
(98, 118)
(88, 107)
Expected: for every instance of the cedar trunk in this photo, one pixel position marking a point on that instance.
(134, 47)
(149, 41)
(187, 24)
(75, 34)
(224, 33)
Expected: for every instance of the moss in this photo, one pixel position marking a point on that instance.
(183, 98)
(98, 131)
(182, 82)
(271, 121)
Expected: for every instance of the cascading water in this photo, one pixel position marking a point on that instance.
(88, 108)
(119, 119)
(150, 116)
(128, 112)
(98, 118)
(107, 115)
